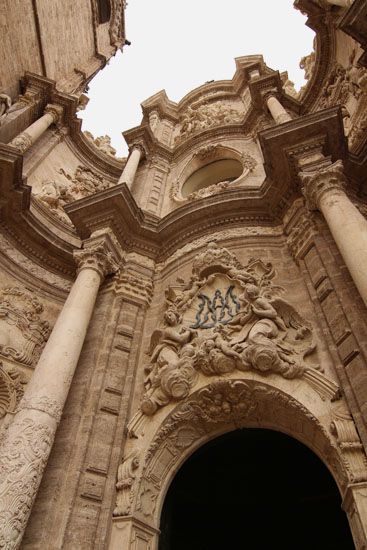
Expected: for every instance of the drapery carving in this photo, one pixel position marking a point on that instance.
(227, 318)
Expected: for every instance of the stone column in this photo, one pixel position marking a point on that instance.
(276, 109)
(324, 191)
(128, 173)
(26, 139)
(28, 440)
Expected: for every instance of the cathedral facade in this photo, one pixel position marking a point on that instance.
(214, 281)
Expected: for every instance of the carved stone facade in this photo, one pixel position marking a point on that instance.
(214, 280)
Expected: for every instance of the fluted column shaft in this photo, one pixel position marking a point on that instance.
(277, 110)
(26, 139)
(324, 190)
(128, 173)
(28, 440)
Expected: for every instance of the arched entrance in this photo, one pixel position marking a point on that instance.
(253, 488)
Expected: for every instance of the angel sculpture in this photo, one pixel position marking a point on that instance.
(272, 336)
(171, 373)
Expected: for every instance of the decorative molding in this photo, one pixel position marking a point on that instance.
(320, 182)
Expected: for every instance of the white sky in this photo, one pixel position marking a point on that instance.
(178, 45)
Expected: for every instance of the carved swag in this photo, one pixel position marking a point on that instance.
(227, 318)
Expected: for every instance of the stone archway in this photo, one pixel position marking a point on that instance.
(160, 446)
(253, 488)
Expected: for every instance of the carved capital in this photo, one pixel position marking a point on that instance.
(140, 147)
(101, 252)
(22, 142)
(316, 184)
(56, 111)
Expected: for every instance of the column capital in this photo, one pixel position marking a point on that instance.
(100, 252)
(139, 147)
(316, 183)
(56, 111)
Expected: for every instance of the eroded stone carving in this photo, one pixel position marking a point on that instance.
(200, 117)
(5, 104)
(227, 318)
(23, 331)
(103, 143)
(55, 194)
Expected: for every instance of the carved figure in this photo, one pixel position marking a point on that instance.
(171, 372)
(126, 474)
(253, 330)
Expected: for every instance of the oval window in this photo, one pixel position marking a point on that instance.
(216, 172)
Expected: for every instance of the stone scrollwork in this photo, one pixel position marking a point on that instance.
(23, 332)
(125, 479)
(12, 383)
(227, 318)
(344, 429)
(21, 468)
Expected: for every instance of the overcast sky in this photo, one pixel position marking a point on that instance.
(178, 46)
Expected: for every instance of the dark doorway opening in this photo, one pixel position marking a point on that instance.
(254, 489)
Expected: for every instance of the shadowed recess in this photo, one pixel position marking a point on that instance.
(254, 489)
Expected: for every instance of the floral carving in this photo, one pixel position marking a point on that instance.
(238, 323)
(12, 383)
(24, 332)
(96, 256)
(21, 468)
(22, 142)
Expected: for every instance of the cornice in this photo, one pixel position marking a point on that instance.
(284, 144)
(354, 23)
(322, 23)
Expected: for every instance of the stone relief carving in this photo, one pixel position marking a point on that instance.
(210, 152)
(227, 318)
(220, 235)
(20, 472)
(12, 382)
(55, 194)
(23, 332)
(234, 403)
(125, 478)
(198, 117)
(103, 143)
(343, 427)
